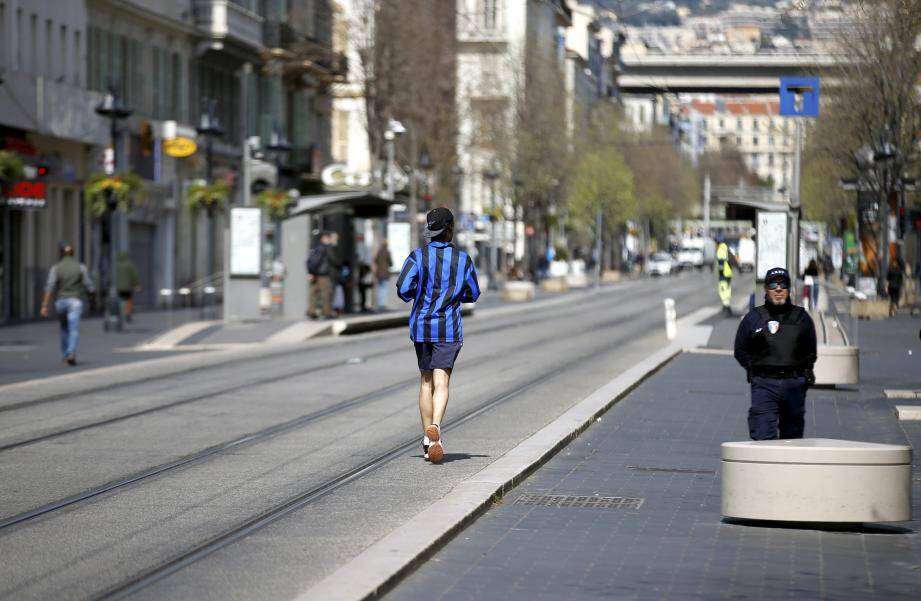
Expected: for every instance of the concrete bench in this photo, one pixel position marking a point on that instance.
(838, 361)
(517, 291)
(816, 480)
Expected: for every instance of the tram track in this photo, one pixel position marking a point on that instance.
(604, 297)
(274, 378)
(185, 558)
(259, 436)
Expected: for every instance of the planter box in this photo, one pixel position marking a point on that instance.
(837, 365)
(610, 277)
(816, 480)
(517, 291)
(870, 309)
(554, 284)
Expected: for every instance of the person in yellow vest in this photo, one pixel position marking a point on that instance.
(724, 272)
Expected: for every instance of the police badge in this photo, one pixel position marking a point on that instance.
(773, 326)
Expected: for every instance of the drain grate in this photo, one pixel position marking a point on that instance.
(581, 501)
(670, 470)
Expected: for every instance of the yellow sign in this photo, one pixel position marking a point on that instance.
(179, 147)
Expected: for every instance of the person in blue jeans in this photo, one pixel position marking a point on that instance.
(68, 283)
(437, 278)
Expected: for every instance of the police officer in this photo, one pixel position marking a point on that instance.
(724, 273)
(776, 344)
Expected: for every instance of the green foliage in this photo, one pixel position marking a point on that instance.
(122, 186)
(10, 167)
(274, 201)
(602, 181)
(209, 197)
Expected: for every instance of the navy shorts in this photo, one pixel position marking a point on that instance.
(437, 355)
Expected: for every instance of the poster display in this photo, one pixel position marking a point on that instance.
(245, 241)
(398, 244)
(772, 231)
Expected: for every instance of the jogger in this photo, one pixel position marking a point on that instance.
(437, 278)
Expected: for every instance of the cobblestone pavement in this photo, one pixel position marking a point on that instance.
(661, 444)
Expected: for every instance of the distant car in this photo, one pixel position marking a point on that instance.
(690, 258)
(746, 254)
(660, 264)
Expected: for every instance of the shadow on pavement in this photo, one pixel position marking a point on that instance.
(844, 528)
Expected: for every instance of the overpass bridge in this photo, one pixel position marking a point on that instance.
(713, 73)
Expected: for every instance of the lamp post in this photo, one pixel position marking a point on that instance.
(113, 109)
(210, 128)
(491, 175)
(280, 147)
(394, 129)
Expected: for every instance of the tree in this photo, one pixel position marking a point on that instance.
(873, 105)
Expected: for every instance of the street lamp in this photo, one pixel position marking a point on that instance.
(491, 175)
(210, 128)
(112, 108)
(280, 147)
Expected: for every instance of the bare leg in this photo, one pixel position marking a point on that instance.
(426, 390)
(442, 378)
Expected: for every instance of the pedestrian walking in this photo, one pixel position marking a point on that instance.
(382, 265)
(323, 269)
(437, 278)
(724, 274)
(127, 283)
(895, 277)
(776, 344)
(811, 284)
(68, 282)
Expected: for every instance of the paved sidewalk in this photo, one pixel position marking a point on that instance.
(662, 444)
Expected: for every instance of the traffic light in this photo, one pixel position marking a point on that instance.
(41, 170)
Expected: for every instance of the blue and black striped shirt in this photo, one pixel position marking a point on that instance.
(437, 278)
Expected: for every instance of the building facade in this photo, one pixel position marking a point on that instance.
(266, 65)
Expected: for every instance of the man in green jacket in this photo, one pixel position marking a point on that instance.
(68, 282)
(127, 281)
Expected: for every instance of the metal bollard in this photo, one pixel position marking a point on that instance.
(671, 324)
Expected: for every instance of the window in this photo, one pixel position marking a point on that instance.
(755, 141)
(18, 65)
(490, 14)
(49, 54)
(738, 140)
(770, 140)
(755, 160)
(755, 124)
(3, 34)
(722, 124)
(62, 70)
(77, 62)
(33, 46)
(770, 160)
(739, 124)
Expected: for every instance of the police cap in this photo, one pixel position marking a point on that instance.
(777, 274)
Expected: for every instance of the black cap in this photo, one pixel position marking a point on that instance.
(437, 221)
(777, 273)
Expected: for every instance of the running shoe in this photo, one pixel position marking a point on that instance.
(436, 451)
(425, 447)
(433, 432)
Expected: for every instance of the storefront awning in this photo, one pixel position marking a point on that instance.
(358, 203)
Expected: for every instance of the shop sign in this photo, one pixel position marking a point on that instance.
(24, 195)
(179, 147)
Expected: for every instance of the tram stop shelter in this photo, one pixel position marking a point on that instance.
(335, 211)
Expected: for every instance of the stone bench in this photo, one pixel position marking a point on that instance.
(838, 361)
(517, 291)
(816, 480)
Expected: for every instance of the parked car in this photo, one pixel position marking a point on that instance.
(689, 258)
(660, 264)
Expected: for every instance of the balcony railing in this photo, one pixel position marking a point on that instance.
(299, 55)
(229, 20)
(481, 26)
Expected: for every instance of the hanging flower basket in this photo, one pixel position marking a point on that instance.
(208, 197)
(122, 186)
(274, 201)
(10, 167)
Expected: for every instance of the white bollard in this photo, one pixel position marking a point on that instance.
(671, 325)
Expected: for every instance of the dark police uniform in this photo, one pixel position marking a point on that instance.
(776, 344)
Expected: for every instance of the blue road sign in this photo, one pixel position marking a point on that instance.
(799, 96)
